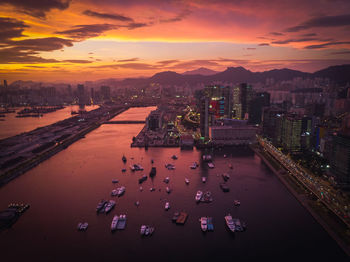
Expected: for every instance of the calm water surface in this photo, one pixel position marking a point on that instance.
(65, 190)
(13, 126)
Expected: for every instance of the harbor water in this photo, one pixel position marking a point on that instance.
(65, 189)
(12, 125)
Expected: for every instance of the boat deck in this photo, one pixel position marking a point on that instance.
(182, 218)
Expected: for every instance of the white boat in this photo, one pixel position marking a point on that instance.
(199, 195)
(114, 223)
(204, 179)
(229, 222)
(152, 189)
(211, 165)
(121, 191)
(142, 229)
(167, 206)
(166, 180)
(114, 192)
(194, 165)
(187, 181)
(204, 224)
(121, 222)
(136, 167)
(168, 190)
(170, 166)
(109, 206)
(83, 226)
(236, 202)
(225, 156)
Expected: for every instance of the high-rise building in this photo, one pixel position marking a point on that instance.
(340, 159)
(5, 84)
(236, 103)
(81, 94)
(256, 106)
(105, 92)
(272, 121)
(204, 116)
(246, 97)
(154, 120)
(291, 132)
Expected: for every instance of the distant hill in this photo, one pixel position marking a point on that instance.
(201, 71)
(339, 74)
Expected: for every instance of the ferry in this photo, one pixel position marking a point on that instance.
(229, 222)
(114, 223)
(167, 206)
(153, 172)
(204, 179)
(109, 206)
(211, 165)
(204, 225)
(83, 226)
(166, 180)
(187, 181)
(121, 222)
(199, 195)
(100, 205)
(142, 179)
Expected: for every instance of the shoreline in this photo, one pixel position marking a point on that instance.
(37, 159)
(303, 200)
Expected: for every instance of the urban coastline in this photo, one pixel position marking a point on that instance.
(304, 147)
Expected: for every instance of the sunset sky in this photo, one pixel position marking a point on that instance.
(60, 40)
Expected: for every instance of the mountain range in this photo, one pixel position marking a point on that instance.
(340, 74)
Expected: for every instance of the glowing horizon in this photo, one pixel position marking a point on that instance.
(81, 40)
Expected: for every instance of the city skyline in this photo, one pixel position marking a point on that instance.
(82, 40)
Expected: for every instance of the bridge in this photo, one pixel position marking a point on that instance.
(125, 122)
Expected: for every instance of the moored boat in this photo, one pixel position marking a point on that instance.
(167, 206)
(211, 165)
(142, 179)
(114, 223)
(187, 181)
(153, 172)
(210, 224)
(109, 206)
(204, 179)
(83, 226)
(204, 225)
(100, 205)
(198, 195)
(121, 221)
(166, 180)
(124, 159)
(229, 222)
